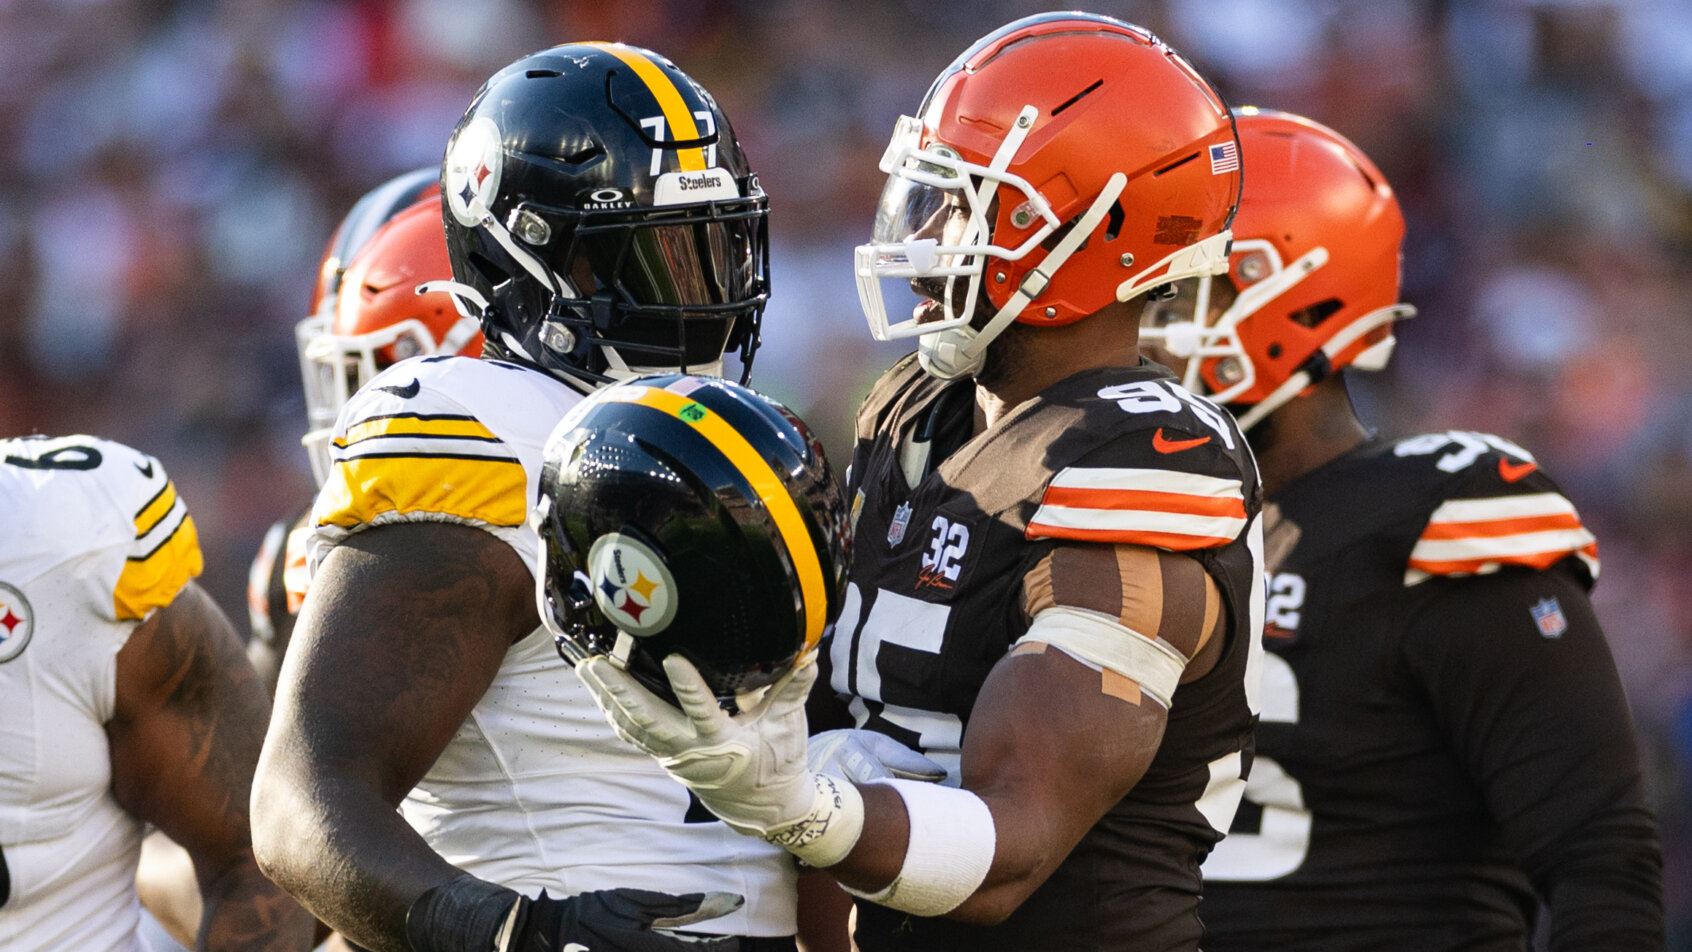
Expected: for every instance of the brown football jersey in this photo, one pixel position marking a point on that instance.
(947, 559)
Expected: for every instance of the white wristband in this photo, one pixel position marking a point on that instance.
(830, 830)
(950, 850)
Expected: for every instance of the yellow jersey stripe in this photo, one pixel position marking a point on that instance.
(676, 113)
(493, 491)
(155, 510)
(153, 580)
(439, 427)
(770, 489)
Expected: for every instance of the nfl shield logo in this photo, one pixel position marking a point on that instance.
(1548, 615)
(901, 519)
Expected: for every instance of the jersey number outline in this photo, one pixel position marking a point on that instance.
(912, 623)
(1282, 841)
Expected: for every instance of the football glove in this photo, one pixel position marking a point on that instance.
(466, 914)
(625, 919)
(860, 757)
(748, 768)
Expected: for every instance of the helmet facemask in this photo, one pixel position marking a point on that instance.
(602, 212)
(1218, 363)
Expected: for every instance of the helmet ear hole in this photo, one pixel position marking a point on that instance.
(1315, 314)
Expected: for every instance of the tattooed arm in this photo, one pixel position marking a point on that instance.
(185, 736)
(401, 633)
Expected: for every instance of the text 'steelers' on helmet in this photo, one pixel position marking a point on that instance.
(1314, 283)
(369, 308)
(689, 514)
(1063, 162)
(602, 219)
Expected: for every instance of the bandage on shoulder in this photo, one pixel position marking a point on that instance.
(1102, 642)
(950, 850)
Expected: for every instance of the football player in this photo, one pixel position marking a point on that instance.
(601, 220)
(1056, 585)
(1444, 740)
(128, 703)
(367, 312)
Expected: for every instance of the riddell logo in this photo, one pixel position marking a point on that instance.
(705, 180)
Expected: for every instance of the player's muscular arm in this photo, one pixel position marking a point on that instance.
(401, 633)
(185, 734)
(1053, 742)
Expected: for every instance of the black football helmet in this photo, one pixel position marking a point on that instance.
(602, 218)
(689, 514)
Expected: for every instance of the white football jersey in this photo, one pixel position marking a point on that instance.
(535, 791)
(92, 539)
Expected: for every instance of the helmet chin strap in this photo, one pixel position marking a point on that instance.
(464, 297)
(1336, 345)
(620, 370)
(961, 351)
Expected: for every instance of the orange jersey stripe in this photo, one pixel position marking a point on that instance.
(1128, 499)
(1173, 541)
(1493, 528)
(1537, 560)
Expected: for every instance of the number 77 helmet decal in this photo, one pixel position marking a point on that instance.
(602, 219)
(1313, 273)
(1063, 162)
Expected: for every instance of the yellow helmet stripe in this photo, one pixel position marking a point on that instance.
(676, 113)
(769, 487)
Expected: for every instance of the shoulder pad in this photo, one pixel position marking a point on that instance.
(885, 393)
(84, 494)
(1124, 457)
(1494, 507)
(409, 441)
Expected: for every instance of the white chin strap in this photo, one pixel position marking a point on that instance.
(961, 351)
(620, 370)
(1295, 384)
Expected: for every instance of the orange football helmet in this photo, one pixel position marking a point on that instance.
(1315, 265)
(1063, 162)
(370, 309)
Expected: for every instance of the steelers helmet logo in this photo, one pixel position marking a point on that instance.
(631, 584)
(17, 621)
(473, 170)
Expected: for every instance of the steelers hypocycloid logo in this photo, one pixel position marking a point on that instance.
(17, 622)
(473, 169)
(631, 584)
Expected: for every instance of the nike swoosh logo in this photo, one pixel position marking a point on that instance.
(1164, 444)
(577, 947)
(1510, 472)
(146, 470)
(406, 392)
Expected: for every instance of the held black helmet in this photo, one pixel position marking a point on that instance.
(602, 218)
(689, 514)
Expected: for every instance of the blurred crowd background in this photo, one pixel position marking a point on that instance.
(171, 169)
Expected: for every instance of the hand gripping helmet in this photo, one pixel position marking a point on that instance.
(689, 514)
(602, 219)
(1315, 267)
(1063, 162)
(368, 311)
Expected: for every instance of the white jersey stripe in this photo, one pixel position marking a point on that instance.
(1500, 547)
(1147, 480)
(1137, 520)
(1502, 507)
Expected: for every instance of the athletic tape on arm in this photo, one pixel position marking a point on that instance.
(950, 850)
(1092, 638)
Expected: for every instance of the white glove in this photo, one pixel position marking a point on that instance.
(749, 769)
(860, 757)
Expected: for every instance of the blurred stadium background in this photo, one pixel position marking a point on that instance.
(171, 169)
